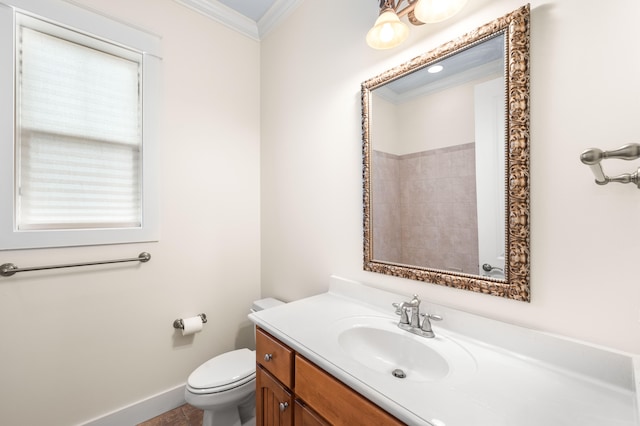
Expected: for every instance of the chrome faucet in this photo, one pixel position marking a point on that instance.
(410, 318)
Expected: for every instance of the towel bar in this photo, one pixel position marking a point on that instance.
(8, 269)
(592, 158)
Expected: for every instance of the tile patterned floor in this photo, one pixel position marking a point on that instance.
(185, 415)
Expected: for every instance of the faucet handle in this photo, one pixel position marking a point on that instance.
(401, 309)
(426, 324)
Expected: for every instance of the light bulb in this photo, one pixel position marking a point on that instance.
(388, 31)
(431, 11)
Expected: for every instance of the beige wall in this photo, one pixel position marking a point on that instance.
(584, 93)
(78, 343)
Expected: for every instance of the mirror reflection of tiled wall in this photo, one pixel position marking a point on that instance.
(424, 208)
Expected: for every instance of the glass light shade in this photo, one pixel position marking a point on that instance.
(388, 31)
(430, 11)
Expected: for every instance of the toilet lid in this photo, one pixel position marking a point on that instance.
(225, 369)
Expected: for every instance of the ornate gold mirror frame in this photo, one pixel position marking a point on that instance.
(515, 285)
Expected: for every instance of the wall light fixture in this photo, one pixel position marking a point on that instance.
(389, 31)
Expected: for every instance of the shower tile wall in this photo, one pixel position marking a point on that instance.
(425, 208)
(385, 203)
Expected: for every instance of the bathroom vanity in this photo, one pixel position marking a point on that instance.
(291, 390)
(334, 359)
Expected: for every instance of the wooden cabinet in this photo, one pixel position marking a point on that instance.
(275, 357)
(274, 403)
(335, 401)
(304, 394)
(305, 416)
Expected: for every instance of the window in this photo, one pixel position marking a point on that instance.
(82, 141)
(78, 137)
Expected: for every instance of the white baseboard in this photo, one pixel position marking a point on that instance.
(142, 410)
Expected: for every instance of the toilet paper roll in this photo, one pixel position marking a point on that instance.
(191, 325)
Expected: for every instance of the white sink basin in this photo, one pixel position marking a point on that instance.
(388, 352)
(379, 345)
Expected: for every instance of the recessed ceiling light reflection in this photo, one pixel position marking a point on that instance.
(435, 68)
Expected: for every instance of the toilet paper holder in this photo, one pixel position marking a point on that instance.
(179, 324)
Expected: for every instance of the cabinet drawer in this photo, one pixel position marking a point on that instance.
(334, 401)
(274, 357)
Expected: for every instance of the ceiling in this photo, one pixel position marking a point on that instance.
(253, 18)
(478, 61)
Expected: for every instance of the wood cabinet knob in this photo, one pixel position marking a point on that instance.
(283, 406)
(268, 357)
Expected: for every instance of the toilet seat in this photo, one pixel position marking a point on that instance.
(223, 372)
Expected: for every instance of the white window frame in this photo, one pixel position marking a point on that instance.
(103, 28)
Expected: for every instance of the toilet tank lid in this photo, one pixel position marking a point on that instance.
(266, 303)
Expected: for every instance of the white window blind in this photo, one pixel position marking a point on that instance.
(79, 127)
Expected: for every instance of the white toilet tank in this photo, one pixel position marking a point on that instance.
(266, 303)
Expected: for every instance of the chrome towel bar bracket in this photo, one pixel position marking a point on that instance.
(8, 269)
(179, 324)
(593, 156)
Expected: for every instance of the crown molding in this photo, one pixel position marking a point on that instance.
(280, 10)
(236, 21)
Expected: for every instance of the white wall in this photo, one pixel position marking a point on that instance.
(438, 120)
(435, 120)
(585, 92)
(384, 126)
(78, 343)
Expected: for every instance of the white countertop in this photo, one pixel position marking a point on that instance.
(521, 377)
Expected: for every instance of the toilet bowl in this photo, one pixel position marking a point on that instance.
(224, 386)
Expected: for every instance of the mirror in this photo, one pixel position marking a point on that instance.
(446, 163)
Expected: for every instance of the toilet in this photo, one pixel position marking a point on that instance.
(224, 387)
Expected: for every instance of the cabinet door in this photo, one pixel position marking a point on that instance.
(304, 416)
(274, 405)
